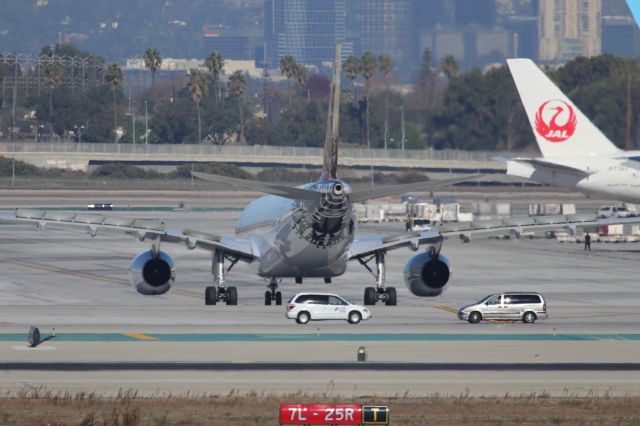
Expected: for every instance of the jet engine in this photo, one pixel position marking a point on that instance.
(152, 274)
(426, 275)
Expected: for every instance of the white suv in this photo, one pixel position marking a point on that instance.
(304, 307)
(615, 211)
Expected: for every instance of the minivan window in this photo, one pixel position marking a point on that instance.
(493, 300)
(303, 299)
(522, 299)
(318, 299)
(333, 300)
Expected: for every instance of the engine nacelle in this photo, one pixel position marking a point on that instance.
(425, 276)
(150, 274)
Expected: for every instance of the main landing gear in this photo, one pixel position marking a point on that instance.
(379, 293)
(218, 292)
(272, 295)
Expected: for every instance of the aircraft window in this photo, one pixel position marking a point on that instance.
(336, 301)
(495, 300)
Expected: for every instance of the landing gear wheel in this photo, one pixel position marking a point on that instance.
(278, 298)
(303, 318)
(354, 317)
(232, 296)
(475, 317)
(267, 298)
(369, 296)
(392, 299)
(529, 317)
(210, 296)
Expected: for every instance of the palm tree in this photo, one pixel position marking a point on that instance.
(214, 64)
(352, 68)
(114, 76)
(449, 66)
(197, 85)
(237, 86)
(153, 61)
(53, 76)
(386, 66)
(288, 67)
(369, 64)
(301, 76)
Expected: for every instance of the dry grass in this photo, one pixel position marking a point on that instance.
(42, 407)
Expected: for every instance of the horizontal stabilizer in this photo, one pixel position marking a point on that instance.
(552, 167)
(266, 188)
(387, 191)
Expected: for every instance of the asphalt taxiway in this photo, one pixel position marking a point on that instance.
(66, 280)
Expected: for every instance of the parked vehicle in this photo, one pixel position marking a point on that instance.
(615, 211)
(305, 307)
(524, 306)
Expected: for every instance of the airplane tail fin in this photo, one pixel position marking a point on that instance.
(330, 163)
(559, 127)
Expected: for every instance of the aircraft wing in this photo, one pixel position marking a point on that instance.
(515, 226)
(368, 245)
(139, 228)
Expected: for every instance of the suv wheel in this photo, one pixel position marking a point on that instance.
(529, 317)
(303, 317)
(354, 317)
(475, 317)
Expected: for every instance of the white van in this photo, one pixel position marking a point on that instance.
(305, 307)
(527, 307)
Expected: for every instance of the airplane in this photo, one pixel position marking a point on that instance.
(305, 232)
(575, 153)
(302, 233)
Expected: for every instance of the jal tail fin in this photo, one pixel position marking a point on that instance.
(559, 127)
(330, 163)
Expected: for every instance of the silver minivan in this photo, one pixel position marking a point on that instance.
(524, 306)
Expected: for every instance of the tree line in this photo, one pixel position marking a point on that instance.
(445, 107)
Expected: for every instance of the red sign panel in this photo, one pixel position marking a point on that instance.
(320, 414)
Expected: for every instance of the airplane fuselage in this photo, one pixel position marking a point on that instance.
(296, 239)
(614, 177)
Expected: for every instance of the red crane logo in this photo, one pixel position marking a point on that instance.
(556, 121)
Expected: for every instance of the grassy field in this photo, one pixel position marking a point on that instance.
(40, 407)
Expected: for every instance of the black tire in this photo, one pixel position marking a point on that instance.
(392, 298)
(529, 317)
(303, 317)
(210, 296)
(232, 296)
(267, 298)
(354, 317)
(475, 317)
(278, 298)
(369, 296)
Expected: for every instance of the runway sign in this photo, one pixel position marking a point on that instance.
(324, 414)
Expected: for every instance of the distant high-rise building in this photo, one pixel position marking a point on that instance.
(475, 12)
(390, 26)
(308, 30)
(569, 28)
(619, 30)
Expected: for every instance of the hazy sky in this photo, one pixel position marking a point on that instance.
(635, 9)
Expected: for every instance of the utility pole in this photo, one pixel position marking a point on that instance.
(146, 127)
(402, 124)
(133, 126)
